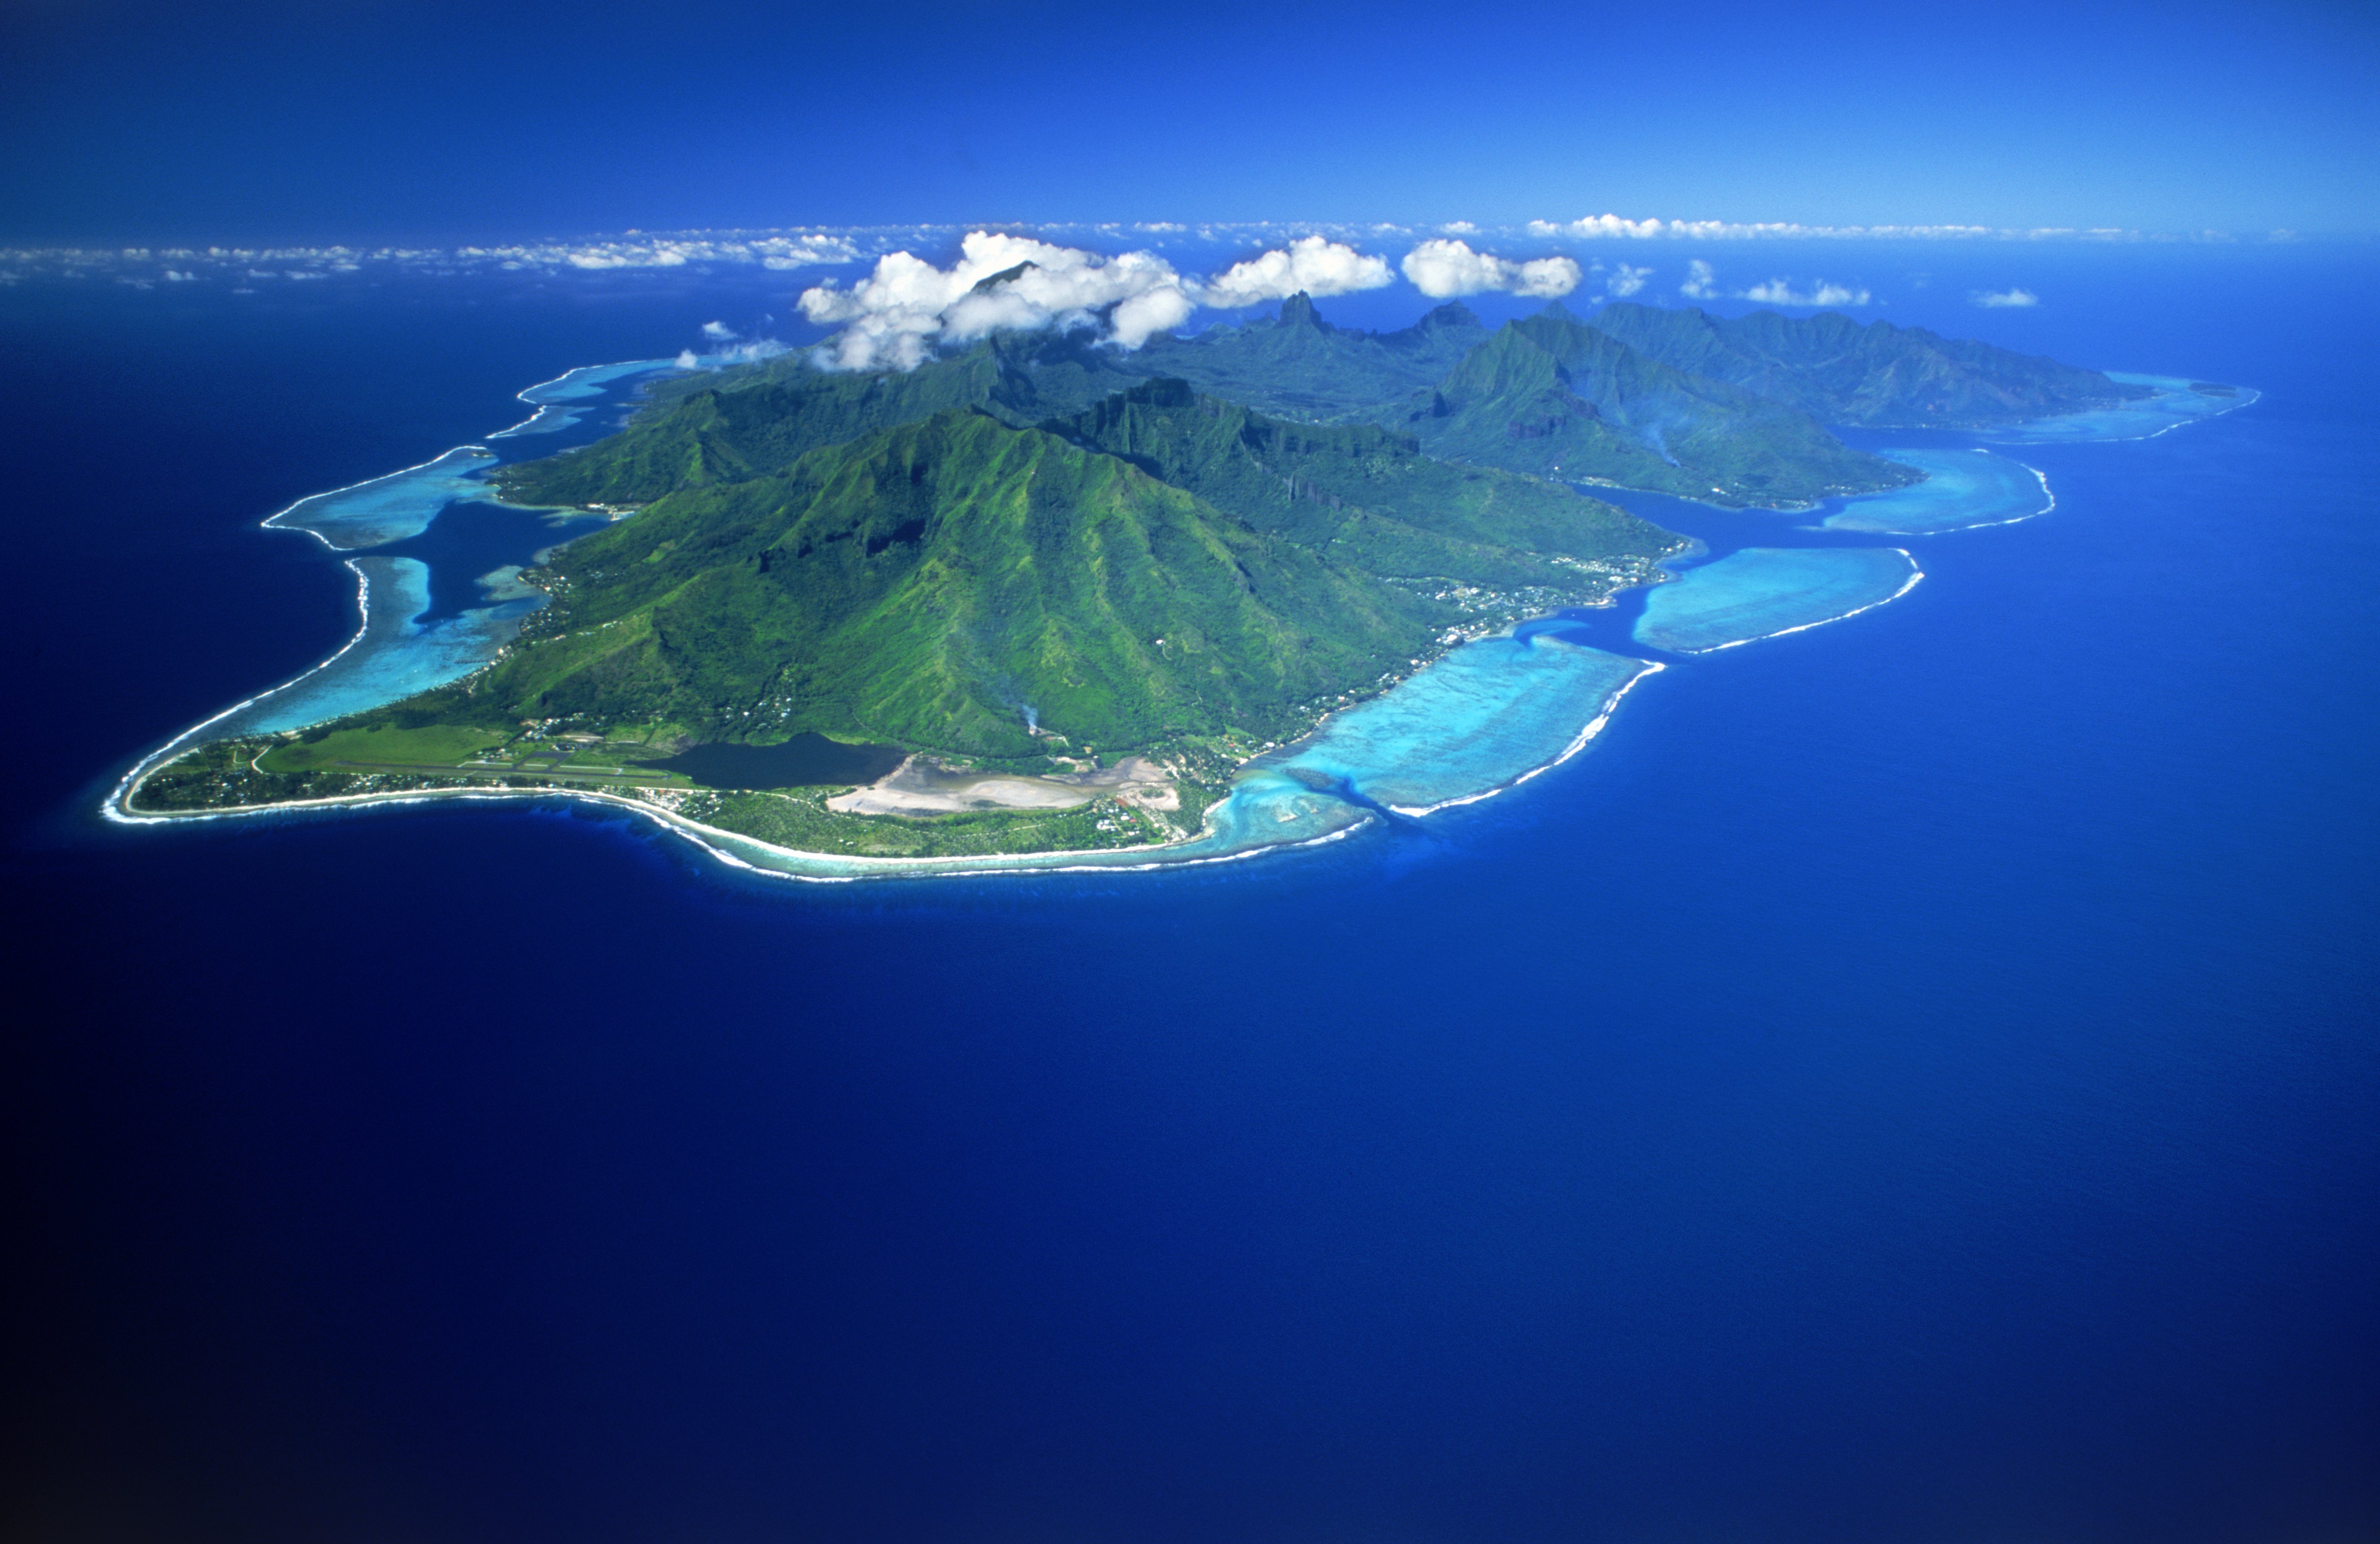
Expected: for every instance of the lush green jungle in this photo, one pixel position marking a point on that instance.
(1038, 555)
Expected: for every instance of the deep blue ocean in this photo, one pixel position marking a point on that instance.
(1912, 1080)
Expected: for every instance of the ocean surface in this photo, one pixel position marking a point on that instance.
(1912, 1078)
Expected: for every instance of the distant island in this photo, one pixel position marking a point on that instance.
(1046, 596)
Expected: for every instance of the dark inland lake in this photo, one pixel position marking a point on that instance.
(805, 760)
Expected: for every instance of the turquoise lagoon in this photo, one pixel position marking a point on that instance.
(391, 509)
(1764, 591)
(393, 653)
(558, 400)
(1491, 713)
(1487, 714)
(2173, 405)
(1963, 489)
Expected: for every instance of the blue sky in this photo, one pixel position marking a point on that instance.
(374, 120)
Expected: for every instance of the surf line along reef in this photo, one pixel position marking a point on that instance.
(1044, 602)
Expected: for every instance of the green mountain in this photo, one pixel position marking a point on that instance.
(1553, 396)
(924, 584)
(1875, 374)
(1368, 497)
(751, 420)
(1299, 366)
(756, 420)
(1548, 396)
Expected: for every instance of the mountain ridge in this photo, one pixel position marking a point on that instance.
(1870, 375)
(929, 582)
(1554, 395)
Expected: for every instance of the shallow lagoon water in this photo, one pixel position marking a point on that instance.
(437, 597)
(1474, 722)
(394, 654)
(1963, 489)
(391, 509)
(1767, 592)
(2173, 405)
(475, 549)
(1491, 713)
(560, 402)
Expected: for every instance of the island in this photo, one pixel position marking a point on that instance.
(1042, 600)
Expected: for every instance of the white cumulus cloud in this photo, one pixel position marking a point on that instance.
(1778, 292)
(1598, 226)
(1625, 281)
(1995, 299)
(1312, 263)
(1443, 269)
(900, 312)
(1701, 281)
(723, 348)
(908, 308)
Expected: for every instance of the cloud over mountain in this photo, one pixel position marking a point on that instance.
(1443, 269)
(907, 307)
(898, 313)
(1997, 298)
(1317, 266)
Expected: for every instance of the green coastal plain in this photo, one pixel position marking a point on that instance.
(1077, 587)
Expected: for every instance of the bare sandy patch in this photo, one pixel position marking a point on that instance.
(920, 787)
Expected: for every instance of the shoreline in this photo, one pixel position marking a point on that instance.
(717, 842)
(117, 805)
(118, 808)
